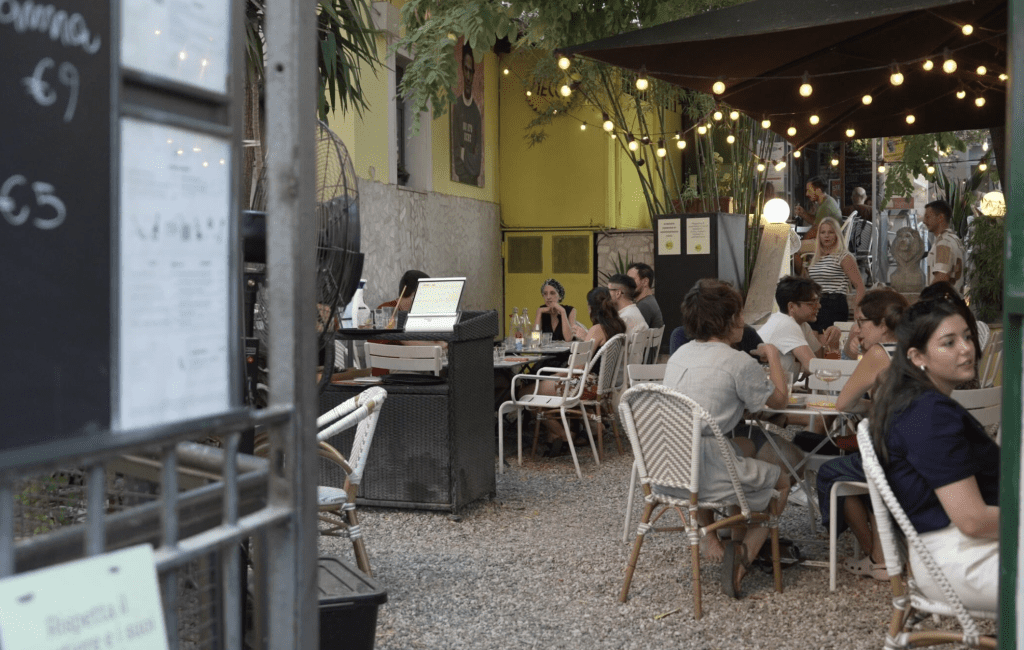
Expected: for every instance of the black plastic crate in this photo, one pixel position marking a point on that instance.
(348, 606)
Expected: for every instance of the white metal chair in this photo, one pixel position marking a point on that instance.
(990, 367)
(985, 404)
(654, 337)
(639, 373)
(847, 228)
(910, 605)
(664, 428)
(566, 398)
(405, 358)
(337, 505)
(609, 382)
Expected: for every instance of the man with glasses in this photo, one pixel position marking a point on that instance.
(621, 287)
(788, 329)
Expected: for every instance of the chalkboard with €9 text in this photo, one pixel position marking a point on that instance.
(55, 223)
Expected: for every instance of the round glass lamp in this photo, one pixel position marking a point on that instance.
(776, 211)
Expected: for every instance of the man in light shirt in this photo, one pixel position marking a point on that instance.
(621, 287)
(788, 330)
(946, 258)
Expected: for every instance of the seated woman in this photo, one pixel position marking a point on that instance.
(725, 382)
(555, 318)
(407, 287)
(941, 465)
(874, 336)
(606, 325)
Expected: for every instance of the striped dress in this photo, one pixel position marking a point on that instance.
(828, 272)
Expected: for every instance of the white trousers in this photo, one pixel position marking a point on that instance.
(971, 565)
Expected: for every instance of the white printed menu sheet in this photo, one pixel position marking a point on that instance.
(668, 237)
(174, 274)
(698, 236)
(181, 40)
(109, 601)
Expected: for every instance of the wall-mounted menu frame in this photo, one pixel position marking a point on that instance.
(55, 204)
(184, 41)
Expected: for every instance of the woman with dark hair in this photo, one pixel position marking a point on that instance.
(944, 291)
(725, 382)
(554, 317)
(874, 336)
(941, 464)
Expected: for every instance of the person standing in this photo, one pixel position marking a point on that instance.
(835, 270)
(622, 288)
(643, 276)
(946, 257)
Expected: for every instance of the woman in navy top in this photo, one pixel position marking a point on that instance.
(942, 465)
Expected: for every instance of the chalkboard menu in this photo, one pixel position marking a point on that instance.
(55, 229)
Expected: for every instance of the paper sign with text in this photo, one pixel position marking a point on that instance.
(107, 602)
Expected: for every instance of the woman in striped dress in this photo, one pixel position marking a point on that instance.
(835, 269)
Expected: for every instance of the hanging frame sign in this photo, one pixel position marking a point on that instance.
(174, 275)
(55, 71)
(185, 41)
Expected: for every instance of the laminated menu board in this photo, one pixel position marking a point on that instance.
(55, 229)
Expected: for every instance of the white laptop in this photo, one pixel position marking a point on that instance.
(435, 308)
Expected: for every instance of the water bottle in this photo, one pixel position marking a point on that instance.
(356, 312)
(517, 330)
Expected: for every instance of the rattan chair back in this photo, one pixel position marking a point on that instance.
(609, 377)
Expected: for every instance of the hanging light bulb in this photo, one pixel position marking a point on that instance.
(791, 131)
(583, 127)
(661, 151)
(730, 138)
(805, 87)
(641, 81)
(960, 94)
(881, 168)
(982, 167)
(984, 145)
(982, 70)
(631, 143)
(760, 167)
(680, 144)
(779, 166)
(702, 129)
(717, 115)
(1003, 77)
(718, 87)
(928, 64)
(734, 115)
(896, 77)
(565, 90)
(948, 64)
(835, 162)
(505, 71)
(797, 153)
(529, 93)
(979, 102)
(867, 99)
(850, 132)
(612, 134)
(814, 119)
(766, 123)
(911, 119)
(967, 30)
(564, 62)
(645, 140)
(930, 169)
(607, 123)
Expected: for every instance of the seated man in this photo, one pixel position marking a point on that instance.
(643, 276)
(788, 329)
(622, 289)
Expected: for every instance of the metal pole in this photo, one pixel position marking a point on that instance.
(290, 85)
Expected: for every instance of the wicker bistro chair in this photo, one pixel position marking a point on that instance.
(910, 606)
(337, 506)
(657, 420)
(609, 382)
(639, 374)
(654, 336)
(566, 399)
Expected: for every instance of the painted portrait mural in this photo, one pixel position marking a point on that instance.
(467, 139)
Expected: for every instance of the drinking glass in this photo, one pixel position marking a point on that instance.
(828, 375)
(499, 352)
(545, 339)
(380, 318)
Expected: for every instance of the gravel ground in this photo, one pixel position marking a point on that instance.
(541, 565)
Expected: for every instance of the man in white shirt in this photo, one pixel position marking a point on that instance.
(788, 329)
(621, 287)
(946, 258)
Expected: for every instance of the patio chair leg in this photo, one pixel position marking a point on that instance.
(776, 562)
(590, 435)
(536, 435)
(637, 543)
(615, 428)
(629, 504)
(572, 447)
(501, 438)
(600, 433)
(358, 546)
(695, 564)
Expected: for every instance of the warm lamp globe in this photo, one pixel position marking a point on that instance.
(776, 211)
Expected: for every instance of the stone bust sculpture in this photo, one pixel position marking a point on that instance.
(907, 249)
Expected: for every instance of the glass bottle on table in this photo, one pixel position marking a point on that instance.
(517, 330)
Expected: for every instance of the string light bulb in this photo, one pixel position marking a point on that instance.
(766, 123)
(760, 167)
(805, 87)
(791, 131)
(896, 77)
(717, 115)
(565, 90)
(718, 87)
(911, 119)
(583, 127)
(607, 124)
(979, 102)
(1003, 76)
(982, 70)
(631, 143)
(881, 168)
(835, 162)
(529, 93)
(734, 115)
(661, 151)
(814, 119)
(967, 30)
(928, 64)
(960, 94)
(505, 71)
(930, 169)
(779, 166)
(646, 140)
(564, 62)
(797, 153)
(850, 132)
(730, 139)
(948, 64)
(702, 129)
(984, 145)
(867, 99)
(982, 167)
(641, 81)
(680, 144)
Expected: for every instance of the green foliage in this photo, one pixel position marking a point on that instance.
(960, 194)
(919, 151)
(346, 40)
(621, 265)
(986, 241)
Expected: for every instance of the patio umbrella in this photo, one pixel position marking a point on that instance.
(764, 50)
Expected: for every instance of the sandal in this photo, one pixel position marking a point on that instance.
(865, 567)
(735, 557)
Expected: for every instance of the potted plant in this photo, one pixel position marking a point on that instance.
(986, 242)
